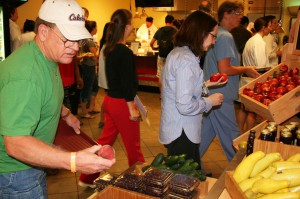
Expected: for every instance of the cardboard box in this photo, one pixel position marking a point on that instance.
(279, 110)
(268, 147)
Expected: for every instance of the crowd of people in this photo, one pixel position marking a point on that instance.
(61, 59)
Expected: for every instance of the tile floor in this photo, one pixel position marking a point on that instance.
(64, 184)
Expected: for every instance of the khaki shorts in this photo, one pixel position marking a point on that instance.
(160, 64)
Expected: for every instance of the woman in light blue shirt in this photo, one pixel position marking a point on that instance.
(183, 85)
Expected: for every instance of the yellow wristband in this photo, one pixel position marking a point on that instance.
(67, 114)
(73, 162)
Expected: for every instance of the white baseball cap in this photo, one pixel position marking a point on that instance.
(68, 17)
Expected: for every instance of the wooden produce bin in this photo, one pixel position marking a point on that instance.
(112, 192)
(268, 147)
(258, 128)
(244, 137)
(279, 110)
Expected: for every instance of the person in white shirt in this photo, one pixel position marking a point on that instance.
(146, 32)
(28, 30)
(254, 53)
(14, 29)
(272, 50)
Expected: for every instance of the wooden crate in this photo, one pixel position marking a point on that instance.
(232, 187)
(244, 136)
(112, 192)
(258, 129)
(259, 145)
(279, 110)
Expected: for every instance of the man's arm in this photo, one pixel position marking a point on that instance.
(224, 66)
(152, 44)
(32, 151)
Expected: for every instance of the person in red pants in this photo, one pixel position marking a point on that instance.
(120, 112)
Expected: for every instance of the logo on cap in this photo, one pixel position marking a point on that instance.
(78, 17)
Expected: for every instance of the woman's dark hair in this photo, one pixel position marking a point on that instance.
(90, 25)
(260, 23)
(190, 34)
(28, 25)
(116, 29)
(11, 10)
(103, 38)
(229, 6)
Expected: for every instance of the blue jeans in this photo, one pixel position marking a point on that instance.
(27, 184)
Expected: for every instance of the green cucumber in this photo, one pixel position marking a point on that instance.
(171, 160)
(159, 158)
(145, 168)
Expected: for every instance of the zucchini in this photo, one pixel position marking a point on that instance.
(171, 160)
(162, 166)
(145, 168)
(176, 166)
(159, 158)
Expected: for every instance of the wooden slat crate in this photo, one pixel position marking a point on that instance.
(268, 147)
(244, 136)
(112, 192)
(279, 110)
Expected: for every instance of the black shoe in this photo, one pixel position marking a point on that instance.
(100, 125)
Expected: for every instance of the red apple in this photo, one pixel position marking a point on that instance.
(267, 102)
(215, 77)
(278, 96)
(294, 71)
(260, 97)
(274, 82)
(257, 89)
(246, 91)
(224, 77)
(265, 87)
(298, 80)
(258, 84)
(272, 95)
(283, 68)
(282, 77)
(107, 152)
(283, 82)
(251, 93)
(273, 88)
(290, 86)
(281, 90)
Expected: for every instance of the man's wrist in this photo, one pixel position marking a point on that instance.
(66, 114)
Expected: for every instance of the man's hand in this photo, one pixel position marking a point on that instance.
(88, 162)
(251, 72)
(73, 122)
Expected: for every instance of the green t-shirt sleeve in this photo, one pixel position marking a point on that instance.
(20, 105)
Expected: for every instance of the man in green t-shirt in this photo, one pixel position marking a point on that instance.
(31, 96)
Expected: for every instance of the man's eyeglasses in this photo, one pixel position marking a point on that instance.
(214, 36)
(237, 13)
(67, 43)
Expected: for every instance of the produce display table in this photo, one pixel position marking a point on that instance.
(211, 188)
(110, 191)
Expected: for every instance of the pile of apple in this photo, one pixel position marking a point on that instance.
(275, 86)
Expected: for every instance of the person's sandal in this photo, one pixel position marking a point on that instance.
(100, 125)
(88, 116)
(94, 112)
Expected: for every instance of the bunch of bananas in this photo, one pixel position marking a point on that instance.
(178, 164)
(268, 176)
